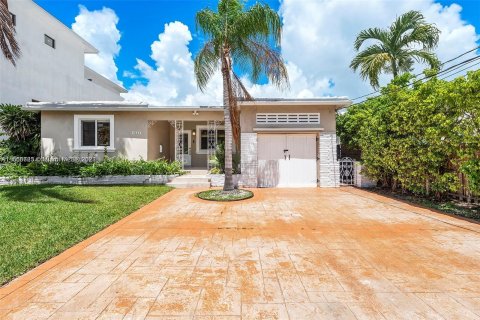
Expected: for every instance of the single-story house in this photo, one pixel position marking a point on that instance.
(284, 142)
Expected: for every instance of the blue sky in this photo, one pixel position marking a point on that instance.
(140, 22)
(318, 56)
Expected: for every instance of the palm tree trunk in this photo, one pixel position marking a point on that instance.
(227, 89)
(394, 68)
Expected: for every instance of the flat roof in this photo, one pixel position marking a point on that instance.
(105, 80)
(338, 102)
(110, 106)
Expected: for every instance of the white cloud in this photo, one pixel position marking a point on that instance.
(171, 81)
(99, 27)
(317, 45)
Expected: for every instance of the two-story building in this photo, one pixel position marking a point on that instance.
(52, 64)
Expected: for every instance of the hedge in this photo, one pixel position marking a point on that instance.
(106, 167)
(421, 138)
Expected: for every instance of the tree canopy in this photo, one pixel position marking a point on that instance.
(420, 137)
(395, 50)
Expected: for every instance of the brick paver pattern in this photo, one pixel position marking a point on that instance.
(284, 254)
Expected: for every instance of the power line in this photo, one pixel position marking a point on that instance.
(416, 75)
(476, 64)
(465, 53)
(443, 72)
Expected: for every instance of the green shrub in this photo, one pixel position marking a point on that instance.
(106, 167)
(14, 170)
(218, 160)
(419, 137)
(23, 130)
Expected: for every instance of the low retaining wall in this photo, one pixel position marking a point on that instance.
(362, 181)
(106, 180)
(217, 180)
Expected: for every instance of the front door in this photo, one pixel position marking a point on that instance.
(287, 160)
(187, 147)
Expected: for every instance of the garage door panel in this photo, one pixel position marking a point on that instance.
(302, 173)
(271, 146)
(302, 146)
(272, 173)
(295, 168)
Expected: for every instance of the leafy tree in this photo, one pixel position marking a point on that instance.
(395, 50)
(250, 39)
(23, 130)
(8, 43)
(419, 138)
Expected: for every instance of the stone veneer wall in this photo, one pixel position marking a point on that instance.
(249, 162)
(329, 171)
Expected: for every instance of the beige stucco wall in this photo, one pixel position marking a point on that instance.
(159, 134)
(248, 117)
(133, 138)
(130, 136)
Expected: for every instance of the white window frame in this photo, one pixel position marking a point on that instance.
(198, 138)
(77, 132)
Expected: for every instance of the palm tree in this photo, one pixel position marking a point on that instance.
(408, 40)
(249, 39)
(8, 44)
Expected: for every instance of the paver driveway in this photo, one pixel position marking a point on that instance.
(298, 254)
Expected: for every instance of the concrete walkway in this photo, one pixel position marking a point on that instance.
(298, 254)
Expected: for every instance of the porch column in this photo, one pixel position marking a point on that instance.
(211, 140)
(178, 126)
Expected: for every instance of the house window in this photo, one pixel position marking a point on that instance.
(202, 133)
(14, 19)
(93, 132)
(49, 41)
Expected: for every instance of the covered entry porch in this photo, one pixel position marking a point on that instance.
(190, 142)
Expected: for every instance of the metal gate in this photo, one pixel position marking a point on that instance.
(347, 171)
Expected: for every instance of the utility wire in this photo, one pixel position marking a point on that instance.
(443, 72)
(476, 64)
(442, 64)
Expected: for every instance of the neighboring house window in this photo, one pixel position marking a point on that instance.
(49, 41)
(202, 134)
(93, 132)
(14, 19)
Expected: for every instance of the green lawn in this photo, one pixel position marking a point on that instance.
(39, 222)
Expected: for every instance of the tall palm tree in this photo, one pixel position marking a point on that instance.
(8, 43)
(408, 40)
(250, 40)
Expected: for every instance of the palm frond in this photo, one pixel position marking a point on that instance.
(208, 22)
(426, 57)
(370, 34)
(396, 51)
(239, 89)
(260, 59)
(372, 61)
(407, 21)
(260, 21)
(8, 43)
(206, 63)
(426, 35)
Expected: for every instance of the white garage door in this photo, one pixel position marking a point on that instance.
(287, 160)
